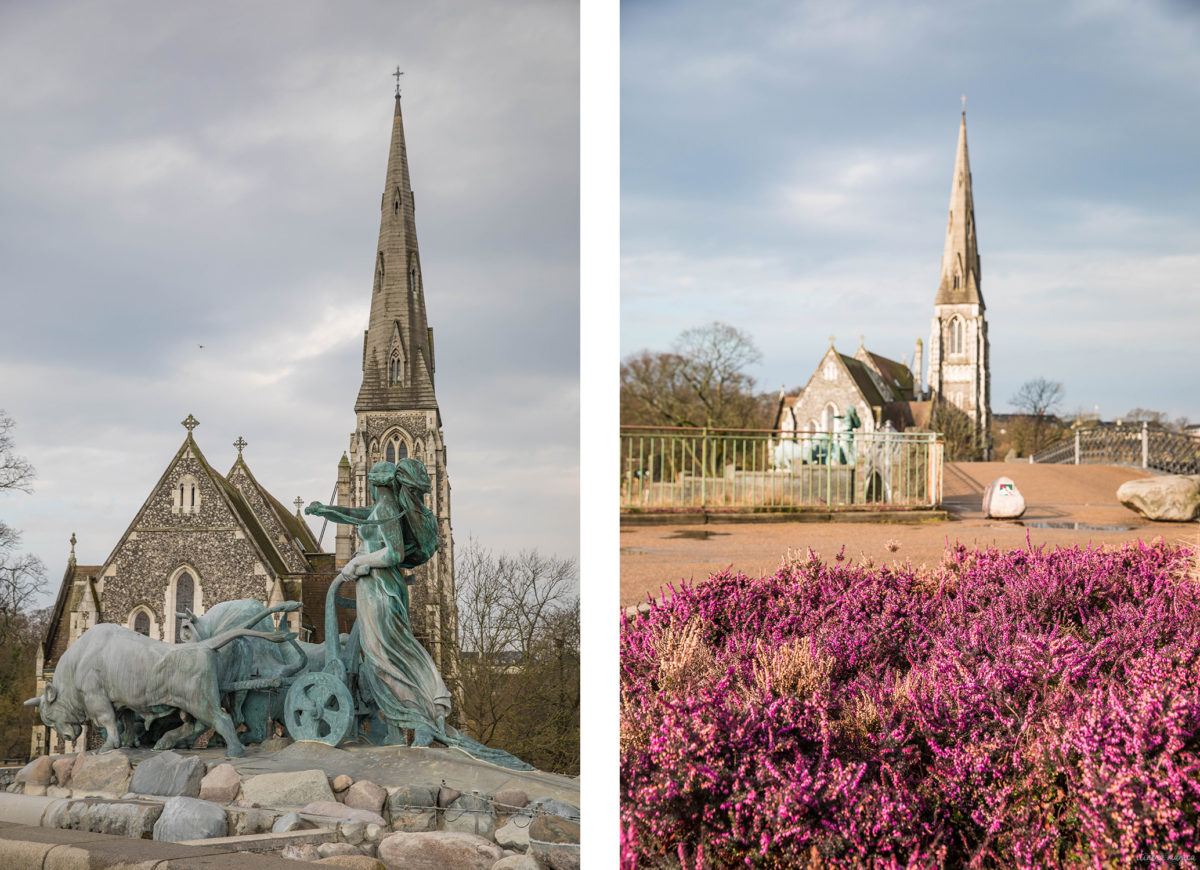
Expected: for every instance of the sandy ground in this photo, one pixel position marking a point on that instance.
(1066, 504)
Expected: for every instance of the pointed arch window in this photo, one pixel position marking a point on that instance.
(396, 449)
(412, 279)
(957, 343)
(829, 417)
(396, 367)
(184, 592)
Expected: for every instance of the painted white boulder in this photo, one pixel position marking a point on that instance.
(1002, 500)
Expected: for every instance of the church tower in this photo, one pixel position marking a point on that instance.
(959, 366)
(397, 411)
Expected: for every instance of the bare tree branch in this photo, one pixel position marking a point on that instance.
(15, 471)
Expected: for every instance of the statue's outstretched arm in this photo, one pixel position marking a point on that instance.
(348, 515)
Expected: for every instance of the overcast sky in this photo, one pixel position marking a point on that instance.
(786, 168)
(174, 175)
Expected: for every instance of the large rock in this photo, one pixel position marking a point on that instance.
(106, 773)
(221, 784)
(354, 862)
(185, 818)
(341, 811)
(470, 814)
(555, 806)
(1175, 497)
(292, 789)
(120, 818)
(365, 795)
(168, 774)
(62, 769)
(510, 800)
(39, 771)
(412, 808)
(513, 836)
(554, 841)
(1002, 500)
(438, 850)
(517, 862)
(288, 822)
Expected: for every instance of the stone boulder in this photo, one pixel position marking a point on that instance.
(413, 808)
(517, 862)
(513, 836)
(288, 822)
(510, 800)
(221, 784)
(62, 769)
(365, 795)
(1173, 497)
(336, 810)
(105, 773)
(38, 772)
(185, 818)
(292, 789)
(1002, 500)
(168, 774)
(438, 850)
(273, 744)
(555, 806)
(354, 862)
(554, 841)
(134, 819)
(341, 782)
(470, 814)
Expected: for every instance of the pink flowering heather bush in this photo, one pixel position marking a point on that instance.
(1007, 709)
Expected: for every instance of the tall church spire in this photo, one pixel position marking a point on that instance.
(398, 363)
(960, 280)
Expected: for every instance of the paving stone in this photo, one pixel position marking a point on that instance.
(185, 818)
(168, 774)
(438, 850)
(341, 811)
(221, 784)
(412, 808)
(470, 814)
(290, 789)
(102, 773)
(354, 862)
(365, 795)
(554, 841)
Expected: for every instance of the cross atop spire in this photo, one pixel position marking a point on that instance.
(239, 444)
(397, 75)
(299, 503)
(190, 423)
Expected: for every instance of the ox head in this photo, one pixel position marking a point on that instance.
(55, 714)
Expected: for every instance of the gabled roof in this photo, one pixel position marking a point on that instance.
(297, 530)
(896, 375)
(55, 642)
(862, 379)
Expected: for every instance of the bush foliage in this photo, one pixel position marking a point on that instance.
(1004, 709)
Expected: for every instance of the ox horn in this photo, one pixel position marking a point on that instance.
(33, 702)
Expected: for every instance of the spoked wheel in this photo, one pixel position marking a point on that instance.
(319, 707)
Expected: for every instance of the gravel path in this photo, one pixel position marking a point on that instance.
(1066, 504)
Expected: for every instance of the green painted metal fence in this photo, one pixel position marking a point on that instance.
(664, 470)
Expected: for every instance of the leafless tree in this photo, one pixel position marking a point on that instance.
(957, 430)
(15, 471)
(1039, 400)
(701, 382)
(519, 654)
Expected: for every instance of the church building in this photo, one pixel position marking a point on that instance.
(396, 411)
(889, 394)
(202, 537)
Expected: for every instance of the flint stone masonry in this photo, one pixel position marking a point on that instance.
(1174, 497)
(168, 774)
(185, 818)
(106, 773)
(365, 795)
(411, 808)
(221, 784)
(287, 789)
(1002, 500)
(438, 850)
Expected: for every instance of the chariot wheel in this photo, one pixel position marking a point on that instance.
(318, 706)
